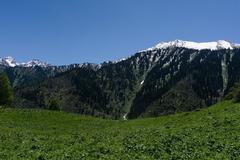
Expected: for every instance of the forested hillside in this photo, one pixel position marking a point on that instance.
(171, 77)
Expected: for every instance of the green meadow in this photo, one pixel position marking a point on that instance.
(211, 133)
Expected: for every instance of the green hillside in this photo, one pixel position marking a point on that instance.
(211, 133)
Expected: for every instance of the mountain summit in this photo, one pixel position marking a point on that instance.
(35, 62)
(8, 61)
(216, 45)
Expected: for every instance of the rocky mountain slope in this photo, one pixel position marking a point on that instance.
(170, 77)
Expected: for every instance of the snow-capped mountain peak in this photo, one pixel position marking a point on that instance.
(35, 62)
(10, 62)
(215, 45)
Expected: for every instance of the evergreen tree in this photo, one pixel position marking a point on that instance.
(6, 92)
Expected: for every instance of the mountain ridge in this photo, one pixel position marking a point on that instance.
(214, 45)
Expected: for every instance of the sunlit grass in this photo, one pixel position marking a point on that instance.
(211, 133)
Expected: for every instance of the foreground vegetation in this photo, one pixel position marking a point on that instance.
(211, 133)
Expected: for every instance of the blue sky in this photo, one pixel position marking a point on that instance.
(76, 31)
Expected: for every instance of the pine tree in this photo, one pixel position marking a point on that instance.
(6, 92)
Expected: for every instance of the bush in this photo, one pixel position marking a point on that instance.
(237, 96)
(54, 105)
(234, 93)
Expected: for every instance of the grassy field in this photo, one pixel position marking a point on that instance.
(212, 133)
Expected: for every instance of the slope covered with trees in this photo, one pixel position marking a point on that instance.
(149, 83)
(152, 82)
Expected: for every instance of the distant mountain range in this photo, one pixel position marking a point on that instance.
(10, 62)
(170, 77)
